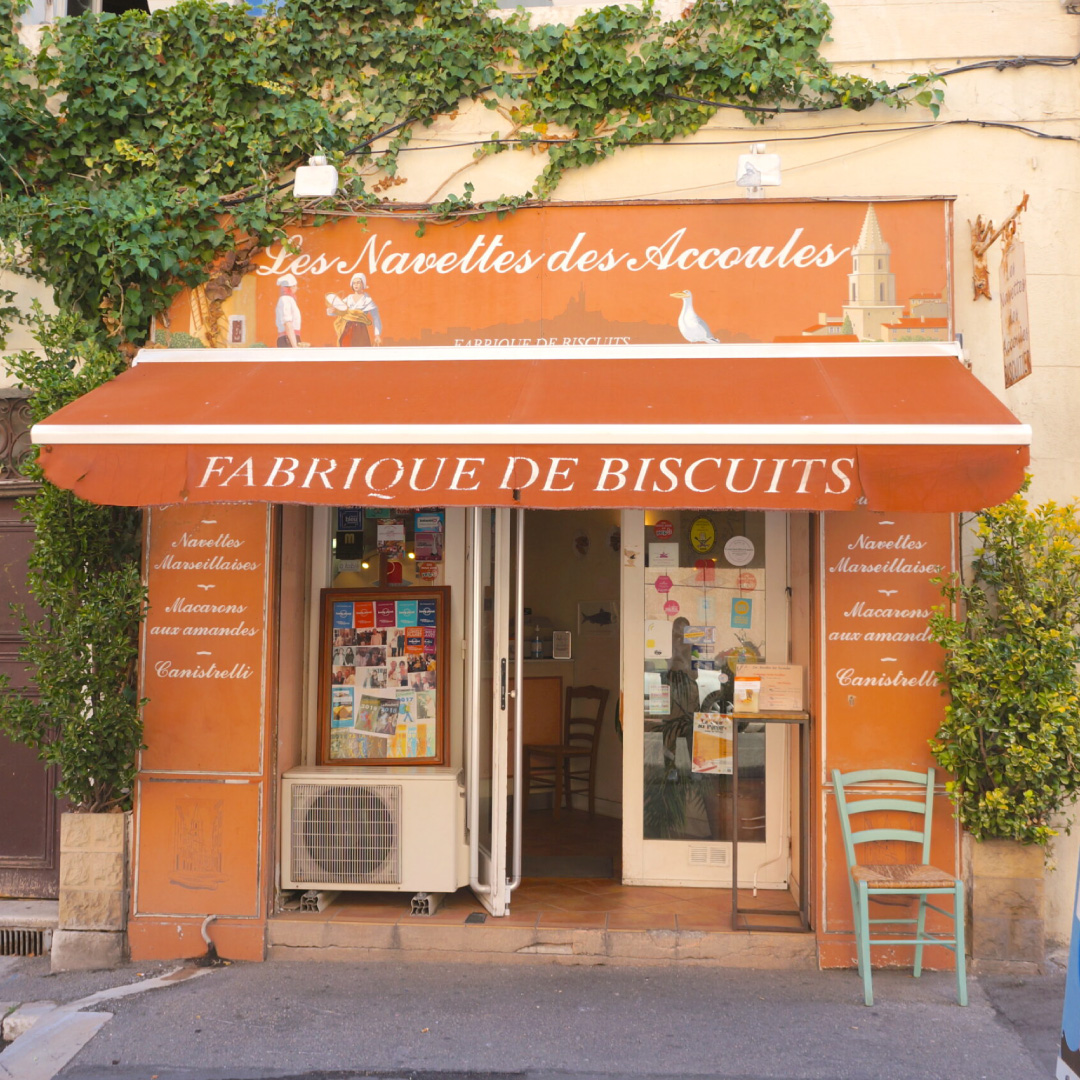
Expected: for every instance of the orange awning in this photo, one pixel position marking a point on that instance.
(785, 427)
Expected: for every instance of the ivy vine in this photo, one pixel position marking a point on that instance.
(135, 149)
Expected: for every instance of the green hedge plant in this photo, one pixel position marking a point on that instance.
(1011, 738)
(82, 713)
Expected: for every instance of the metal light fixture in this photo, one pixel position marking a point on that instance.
(757, 170)
(315, 180)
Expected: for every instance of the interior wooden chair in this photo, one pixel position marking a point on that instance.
(908, 799)
(558, 767)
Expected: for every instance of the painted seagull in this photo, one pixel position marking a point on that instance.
(691, 325)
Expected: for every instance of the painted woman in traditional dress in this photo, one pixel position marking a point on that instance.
(354, 314)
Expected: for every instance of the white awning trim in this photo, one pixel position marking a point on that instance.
(534, 434)
(811, 349)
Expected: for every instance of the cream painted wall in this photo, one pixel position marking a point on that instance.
(26, 292)
(557, 577)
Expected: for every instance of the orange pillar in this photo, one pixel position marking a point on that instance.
(203, 797)
(880, 700)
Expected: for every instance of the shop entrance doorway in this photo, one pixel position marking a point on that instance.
(571, 618)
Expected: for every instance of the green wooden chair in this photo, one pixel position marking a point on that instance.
(909, 793)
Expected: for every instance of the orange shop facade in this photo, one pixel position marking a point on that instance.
(702, 457)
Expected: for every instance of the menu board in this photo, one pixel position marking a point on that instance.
(205, 638)
(382, 676)
(882, 692)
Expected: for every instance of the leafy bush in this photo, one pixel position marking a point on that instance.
(1010, 737)
(84, 574)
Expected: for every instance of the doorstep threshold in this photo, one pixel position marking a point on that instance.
(293, 936)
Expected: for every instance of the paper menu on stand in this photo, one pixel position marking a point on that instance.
(779, 689)
(747, 689)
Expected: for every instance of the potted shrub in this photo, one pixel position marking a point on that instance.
(1011, 735)
(83, 714)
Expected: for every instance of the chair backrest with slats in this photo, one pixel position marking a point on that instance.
(584, 731)
(908, 793)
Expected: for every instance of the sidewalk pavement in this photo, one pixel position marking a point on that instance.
(286, 1019)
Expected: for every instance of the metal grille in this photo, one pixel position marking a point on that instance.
(708, 855)
(344, 833)
(15, 942)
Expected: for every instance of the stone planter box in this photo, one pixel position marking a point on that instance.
(93, 892)
(1007, 906)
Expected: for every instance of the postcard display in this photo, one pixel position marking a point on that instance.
(382, 685)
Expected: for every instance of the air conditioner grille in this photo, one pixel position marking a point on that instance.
(346, 833)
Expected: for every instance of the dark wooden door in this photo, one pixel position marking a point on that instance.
(29, 818)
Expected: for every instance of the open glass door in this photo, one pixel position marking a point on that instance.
(703, 591)
(494, 597)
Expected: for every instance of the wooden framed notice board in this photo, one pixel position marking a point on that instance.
(383, 676)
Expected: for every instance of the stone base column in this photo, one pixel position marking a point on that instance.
(1008, 929)
(93, 892)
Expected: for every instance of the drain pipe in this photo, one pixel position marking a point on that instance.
(211, 958)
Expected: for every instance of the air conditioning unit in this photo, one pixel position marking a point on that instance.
(376, 829)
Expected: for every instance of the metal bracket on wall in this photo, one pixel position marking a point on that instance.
(983, 235)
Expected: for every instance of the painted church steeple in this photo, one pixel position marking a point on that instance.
(871, 283)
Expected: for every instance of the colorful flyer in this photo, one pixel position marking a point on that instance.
(414, 641)
(712, 750)
(367, 713)
(364, 615)
(430, 521)
(428, 546)
(342, 707)
(742, 611)
(430, 644)
(425, 705)
(657, 695)
(406, 613)
(343, 615)
(388, 717)
(747, 690)
(426, 612)
(390, 537)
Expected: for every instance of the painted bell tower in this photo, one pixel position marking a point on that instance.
(871, 283)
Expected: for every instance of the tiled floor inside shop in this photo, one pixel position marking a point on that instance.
(574, 915)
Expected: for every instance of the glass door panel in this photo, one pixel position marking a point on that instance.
(712, 596)
(493, 596)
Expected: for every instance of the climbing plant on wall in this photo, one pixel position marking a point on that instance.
(135, 149)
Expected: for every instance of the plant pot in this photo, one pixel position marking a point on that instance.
(93, 892)
(1006, 885)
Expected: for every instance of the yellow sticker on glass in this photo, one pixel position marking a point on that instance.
(702, 535)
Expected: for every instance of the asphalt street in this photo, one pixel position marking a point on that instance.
(541, 1022)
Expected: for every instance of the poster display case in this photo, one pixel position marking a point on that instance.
(383, 676)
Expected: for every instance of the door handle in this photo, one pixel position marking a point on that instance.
(502, 686)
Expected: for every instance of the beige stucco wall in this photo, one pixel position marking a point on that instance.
(26, 292)
(892, 154)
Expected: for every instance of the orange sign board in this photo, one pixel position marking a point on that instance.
(600, 275)
(883, 699)
(203, 639)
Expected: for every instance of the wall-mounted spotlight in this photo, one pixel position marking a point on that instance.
(315, 180)
(757, 170)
